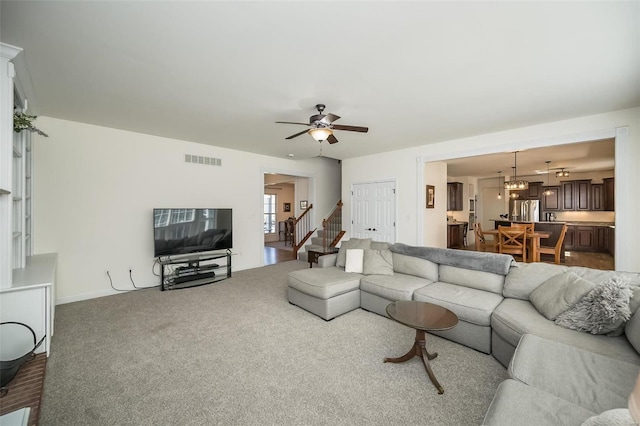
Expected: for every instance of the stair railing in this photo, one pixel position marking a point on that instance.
(302, 230)
(332, 228)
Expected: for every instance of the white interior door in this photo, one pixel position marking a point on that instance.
(374, 211)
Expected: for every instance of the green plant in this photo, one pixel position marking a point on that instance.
(22, 121)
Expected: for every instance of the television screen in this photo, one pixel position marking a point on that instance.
(184, 231)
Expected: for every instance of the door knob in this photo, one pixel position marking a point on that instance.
(371, 229)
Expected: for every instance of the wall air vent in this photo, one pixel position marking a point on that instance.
(199, 159)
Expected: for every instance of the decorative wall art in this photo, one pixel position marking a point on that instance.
(287, 207)
(431, 196)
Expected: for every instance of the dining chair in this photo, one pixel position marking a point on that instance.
(512, 241)
(528, 226)
(557, 249)
(482, 243)
(288, 237)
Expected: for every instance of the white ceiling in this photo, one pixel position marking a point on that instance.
(221, 73)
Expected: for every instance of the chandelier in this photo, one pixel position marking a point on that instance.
(513, 183)
(562, 173)
(547, 190)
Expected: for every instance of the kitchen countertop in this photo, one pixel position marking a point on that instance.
(560, 222)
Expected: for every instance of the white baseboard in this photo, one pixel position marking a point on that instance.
(87, 296)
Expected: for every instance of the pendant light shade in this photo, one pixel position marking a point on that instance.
(547, 190)
(514, 183)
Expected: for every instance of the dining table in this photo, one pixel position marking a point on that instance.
(534, 236)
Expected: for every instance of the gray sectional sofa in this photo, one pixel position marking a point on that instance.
(511, 310)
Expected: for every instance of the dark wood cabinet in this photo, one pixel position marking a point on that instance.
(597, 196)
(584, 238)
(455, 235)
(552, 202)
(569, 238)
(610, 244)
(576, 195)
(609, 194)
(589, 238)
(454, 196)
(600, 238)
(566, 196)
(535, 190)
(582, 195)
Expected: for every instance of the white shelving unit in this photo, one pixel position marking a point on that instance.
(27, 282)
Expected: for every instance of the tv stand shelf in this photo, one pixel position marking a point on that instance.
(193, 271)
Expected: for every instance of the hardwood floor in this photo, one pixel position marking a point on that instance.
(274, 255)
(602, 261)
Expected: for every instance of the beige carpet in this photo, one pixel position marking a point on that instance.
(237, 353)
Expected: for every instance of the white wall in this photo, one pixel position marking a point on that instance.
(408, 167)
(95, 188)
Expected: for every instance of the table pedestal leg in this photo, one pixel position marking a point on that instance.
(419, 349)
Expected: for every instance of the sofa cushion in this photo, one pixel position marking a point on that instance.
(354, 261)
(559, 293)
(378, 262)
(380, 245)
(354, 243)
(513, 318)
(600, 276)
(632, 330)
(469, 304)
(392, 287)
(323, 283)
(415, 266)
(603, 310)
(526, 277)
(515, 403)
(480, 280)
(615, 417)
(584, 378)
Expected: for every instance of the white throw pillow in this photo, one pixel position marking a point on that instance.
(354, 261)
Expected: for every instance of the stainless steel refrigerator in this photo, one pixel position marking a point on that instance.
(524, 210)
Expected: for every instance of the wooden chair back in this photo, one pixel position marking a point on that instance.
(513, 240)
(556, 251)
(481, 241)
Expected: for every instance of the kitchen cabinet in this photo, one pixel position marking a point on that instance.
(584, 238)
(534, 192)
(576, 195)
(454, 196)
(589, 238)
(610, 243)
(552, 202)
(597, 196)
(609, 194)
(455, 235)
(600, 238)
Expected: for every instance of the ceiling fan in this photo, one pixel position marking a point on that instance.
(322, 126)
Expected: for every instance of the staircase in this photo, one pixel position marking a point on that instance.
(327, 237)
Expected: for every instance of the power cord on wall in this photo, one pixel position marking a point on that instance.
(134, 284)
(111, 283)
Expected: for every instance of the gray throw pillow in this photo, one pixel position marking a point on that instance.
(354, 243)
(601, 311)
(559, 293)
(378, 262)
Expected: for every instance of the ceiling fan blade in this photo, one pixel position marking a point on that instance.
(332, 139)
(329, 118)
(291, 122)
(351, 128)
(298, 134)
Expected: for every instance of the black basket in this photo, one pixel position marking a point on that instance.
(9, 369)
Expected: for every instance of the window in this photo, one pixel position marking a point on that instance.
(269, 213)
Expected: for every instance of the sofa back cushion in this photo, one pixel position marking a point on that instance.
(526, 277)
(632, 331)
(415, 266)
(479, 280)
(354, 243)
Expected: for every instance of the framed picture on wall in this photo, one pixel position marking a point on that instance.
(303, 205)
(431, 196)
(286, 207)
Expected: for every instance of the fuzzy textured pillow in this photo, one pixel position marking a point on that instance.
(601, 311)
(378, 262)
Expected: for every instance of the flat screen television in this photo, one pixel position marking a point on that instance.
(185, 231)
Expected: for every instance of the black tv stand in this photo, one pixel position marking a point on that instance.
(194, 270)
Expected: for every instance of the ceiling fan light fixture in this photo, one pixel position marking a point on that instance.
(321, 133)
